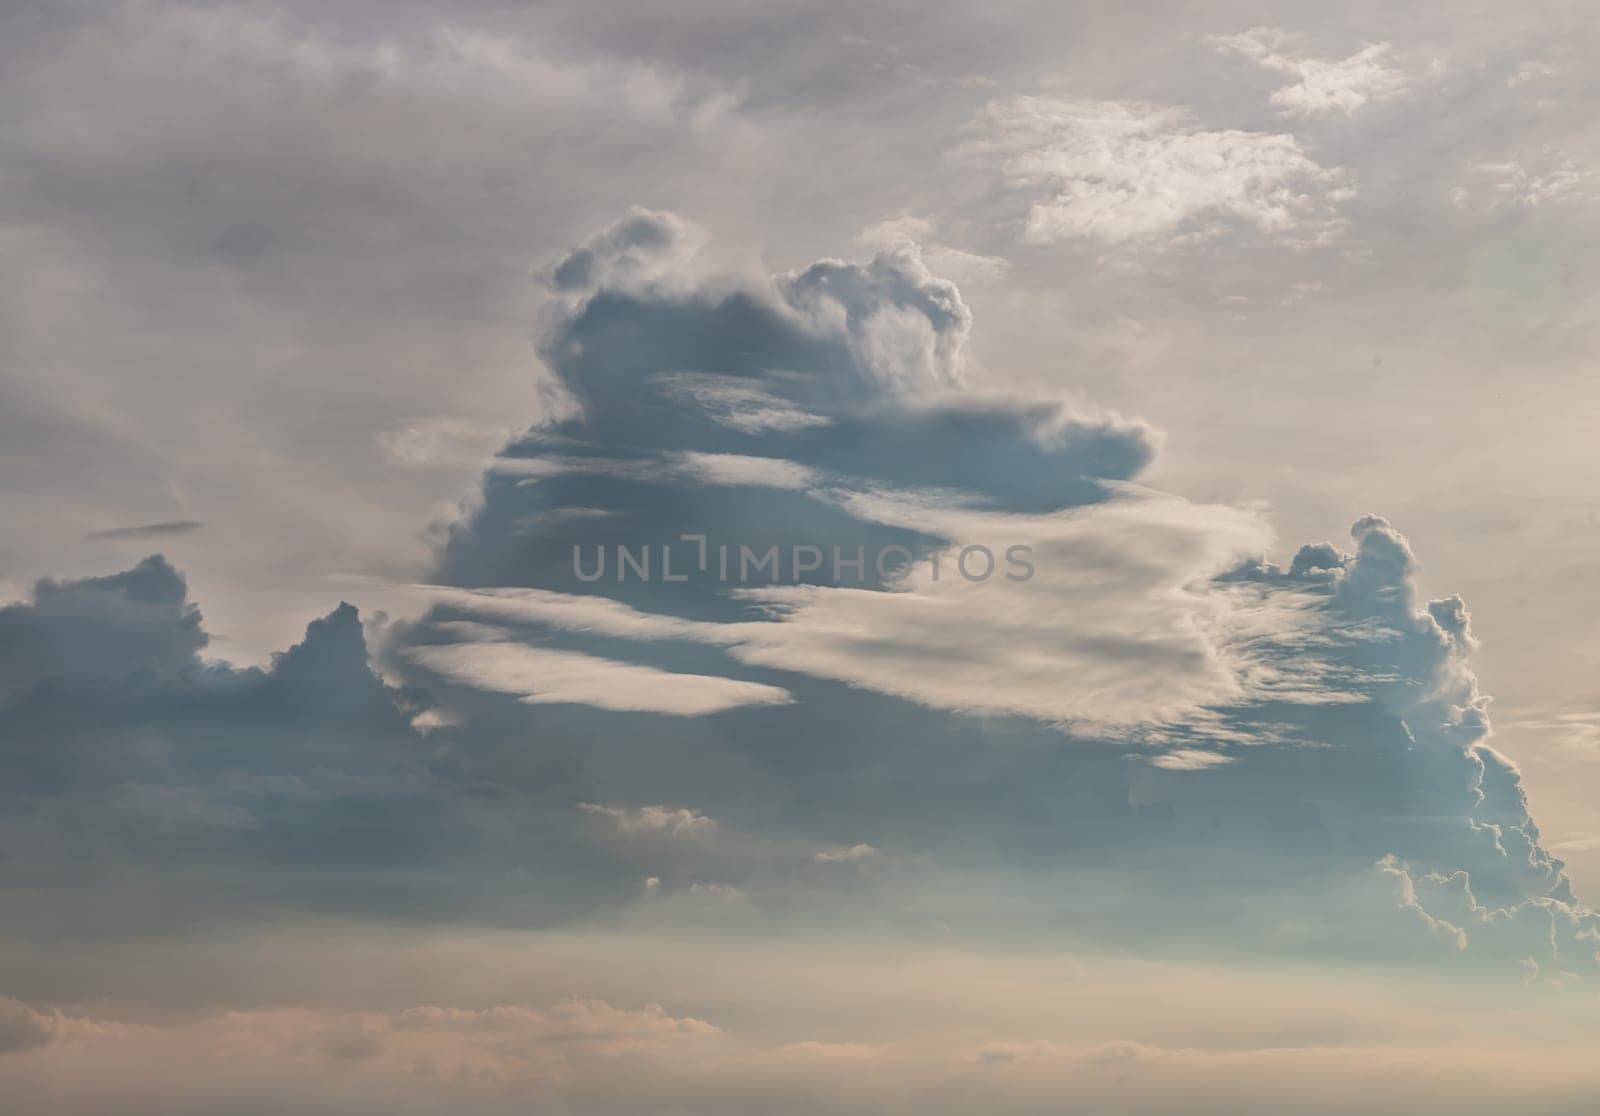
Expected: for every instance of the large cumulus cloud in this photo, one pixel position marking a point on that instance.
(1228, 754)
(1296, 754)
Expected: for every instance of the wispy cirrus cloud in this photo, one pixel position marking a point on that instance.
(1534, 179)
(1189, 759)
(544, 676)
(668, 820)
(161, 530)
(1117, 602)
(731, 469)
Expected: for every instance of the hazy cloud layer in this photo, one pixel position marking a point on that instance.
(402, 305)
(793, 1031)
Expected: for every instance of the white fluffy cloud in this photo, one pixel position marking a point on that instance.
(1318, 86)
(1136, 174)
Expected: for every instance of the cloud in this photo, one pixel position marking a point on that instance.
(1554, 179)
(710, 889)
(673, 822)
(742, 469)
(641, 246)
(344, 207)
(735, 1021)
(1132, 174)
(148, 530)
(135, 624)
(540, 676)
(1115, 602)
(964, 268)
(122, 744)
(848, 854)
(1326, 691)
(434, 442)
(22, 1028)
(902, 327)
(335, 239)
(1319, 87)
(499, 1044)
(1577, 732)
(1585, 842)
(1189, 759)
(814, 714)
(736, 469)
(796, 391)
(734, 402)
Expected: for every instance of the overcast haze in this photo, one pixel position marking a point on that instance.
(329, 333)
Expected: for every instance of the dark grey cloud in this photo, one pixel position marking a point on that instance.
(22, 1028)
(132, 625)
(122, 746)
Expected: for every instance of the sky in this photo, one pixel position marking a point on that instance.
(798, 558)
